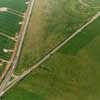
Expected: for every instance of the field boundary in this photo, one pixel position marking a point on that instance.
(25, 73)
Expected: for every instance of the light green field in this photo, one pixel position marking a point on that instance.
(72, 73)
(52, 21)
(9, 23)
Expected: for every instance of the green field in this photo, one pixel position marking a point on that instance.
(9, 26)
(72, 73)
(9, 23)
(52, 21)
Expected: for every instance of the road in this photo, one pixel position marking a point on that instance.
(19, 45)
(17, 79)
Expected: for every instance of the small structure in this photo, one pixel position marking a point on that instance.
(27, 2)
(20, 23)
(3, 9)
(5, 50)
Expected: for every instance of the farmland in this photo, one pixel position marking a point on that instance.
(11, 16)
(71, 73)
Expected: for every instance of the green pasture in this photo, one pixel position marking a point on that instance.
(72, 73)
(52, 21)
(5, 43)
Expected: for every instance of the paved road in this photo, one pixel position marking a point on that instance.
(21, 38)
(17, 79)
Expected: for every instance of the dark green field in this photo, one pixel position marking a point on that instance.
(52, 21)
(9, 26)
(72, 73)
(2, 67)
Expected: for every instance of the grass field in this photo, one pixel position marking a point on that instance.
(9, 23)
(9, 27)
(72, 73)
(51, 23)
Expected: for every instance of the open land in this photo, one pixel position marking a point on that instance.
(73, 71)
